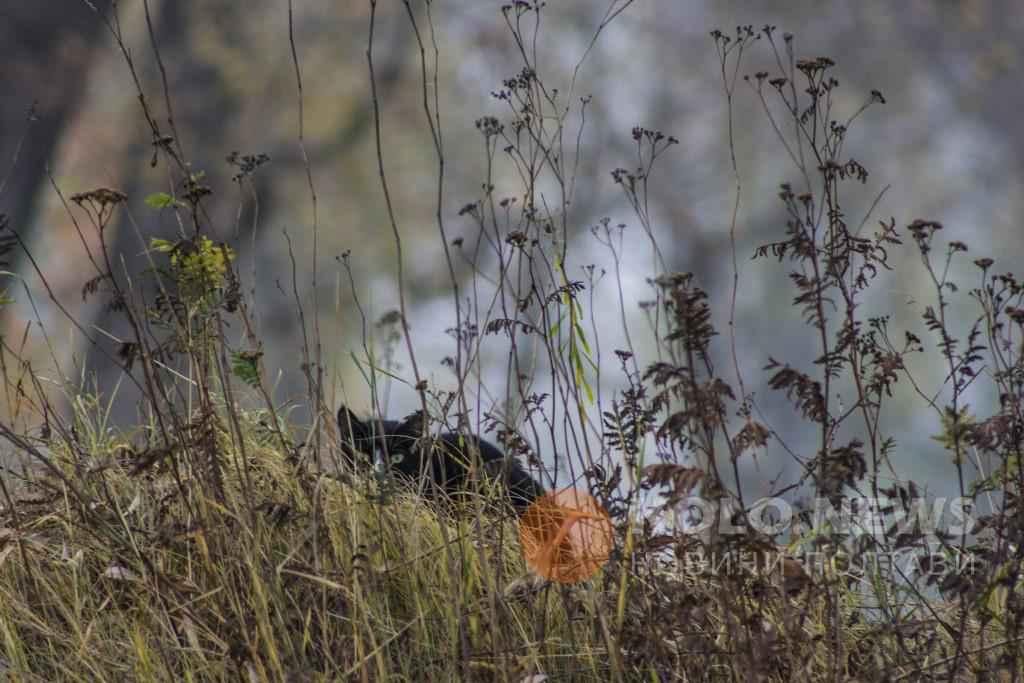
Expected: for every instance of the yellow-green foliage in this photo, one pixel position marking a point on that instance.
(199, 266)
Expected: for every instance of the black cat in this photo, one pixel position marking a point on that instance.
(448, 468)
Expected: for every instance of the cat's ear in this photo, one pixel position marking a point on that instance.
(412, 426)
(352, 430)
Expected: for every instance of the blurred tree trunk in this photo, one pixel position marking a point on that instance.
(209, 110)
(203, 109)
(45, 52)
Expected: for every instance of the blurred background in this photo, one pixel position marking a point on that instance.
(946, 146)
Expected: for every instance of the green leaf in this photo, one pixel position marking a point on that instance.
(161, 200)
(163, 246)
(582, 336)
(956, 426)
(245, 365)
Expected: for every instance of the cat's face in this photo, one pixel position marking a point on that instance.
(370, 442)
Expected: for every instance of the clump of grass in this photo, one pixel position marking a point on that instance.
(218, 540)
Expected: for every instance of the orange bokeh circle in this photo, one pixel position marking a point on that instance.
(566, 536)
